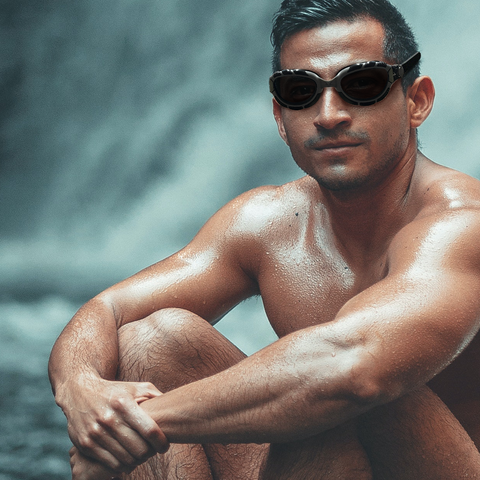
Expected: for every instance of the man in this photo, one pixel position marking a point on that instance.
(369, 271)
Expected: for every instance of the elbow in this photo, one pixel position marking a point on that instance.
(368, 384)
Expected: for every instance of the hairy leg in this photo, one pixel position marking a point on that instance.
(417, 436)
(171, 348)
(174, 347)
(333, 455)
(413, 437)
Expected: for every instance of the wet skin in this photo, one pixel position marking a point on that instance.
(458, 384)
(368, 269)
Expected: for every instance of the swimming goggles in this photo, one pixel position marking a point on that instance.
(359, 84)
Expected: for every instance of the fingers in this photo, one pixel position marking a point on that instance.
(123, 436)
(84, 468)
(139, 420)
(115, 445)
(121, 456)
(108, 426)
(126, 444)
(144, 391)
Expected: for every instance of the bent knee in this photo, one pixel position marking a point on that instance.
(172, 347)
(156, 344)
(164, 323)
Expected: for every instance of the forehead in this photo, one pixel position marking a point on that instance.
(329, 48)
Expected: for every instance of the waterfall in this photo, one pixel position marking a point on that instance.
(128, 124)
(125, 124)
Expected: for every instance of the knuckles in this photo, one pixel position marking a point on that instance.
(119, 404)
(143, 455)
(107, 420)
(95, 432)
(85, 443)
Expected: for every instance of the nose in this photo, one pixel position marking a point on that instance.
(332, 111)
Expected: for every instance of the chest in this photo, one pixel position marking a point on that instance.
(303, 284)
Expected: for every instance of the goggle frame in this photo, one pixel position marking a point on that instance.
(394, 73)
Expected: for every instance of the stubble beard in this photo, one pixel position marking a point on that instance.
(340, 181)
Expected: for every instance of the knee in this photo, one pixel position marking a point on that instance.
(160, 330)
(156, 342)
(172, 347)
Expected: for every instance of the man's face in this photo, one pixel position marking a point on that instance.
(343, 146)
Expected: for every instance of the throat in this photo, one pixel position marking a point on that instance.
(365, 227)
(366, 219)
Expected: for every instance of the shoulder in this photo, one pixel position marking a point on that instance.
(248, 227)
(445, 226)
(265, 209)
(441, 189)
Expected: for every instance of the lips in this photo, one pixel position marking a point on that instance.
(334, 145)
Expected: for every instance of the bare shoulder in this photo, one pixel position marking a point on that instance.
(445, 226)
(253, 224)
(445, 189)
(264, 210)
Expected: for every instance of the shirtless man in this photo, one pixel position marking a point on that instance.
(369, 270)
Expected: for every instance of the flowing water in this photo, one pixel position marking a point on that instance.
(124, 126)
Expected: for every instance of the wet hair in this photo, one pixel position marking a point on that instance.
(297, 15)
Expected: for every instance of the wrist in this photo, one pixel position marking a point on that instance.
(83, 381)
(151, 407)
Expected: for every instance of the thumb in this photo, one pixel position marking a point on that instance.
(144, 391)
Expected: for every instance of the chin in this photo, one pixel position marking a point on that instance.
(340, 183)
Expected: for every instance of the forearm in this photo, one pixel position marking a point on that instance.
(317, 378)
(297, 387)
(87, 347)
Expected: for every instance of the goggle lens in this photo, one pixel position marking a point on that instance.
(296, 90)
(365, 84)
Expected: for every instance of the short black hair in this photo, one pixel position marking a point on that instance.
(297, 15)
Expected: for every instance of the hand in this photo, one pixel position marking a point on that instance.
(84, 468)
(107, 425)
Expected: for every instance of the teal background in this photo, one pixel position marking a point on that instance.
(123, 126)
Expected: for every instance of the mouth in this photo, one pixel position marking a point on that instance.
(335, 146)
(336, 150)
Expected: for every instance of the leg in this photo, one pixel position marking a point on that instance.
(414, 437)
(417, 436)
(333, 455)
(171, 348)
(174, 347)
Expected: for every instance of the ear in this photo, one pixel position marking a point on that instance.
(420, 97)
(277, 113)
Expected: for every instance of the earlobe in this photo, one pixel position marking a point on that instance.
(420, 96)
(277, 113)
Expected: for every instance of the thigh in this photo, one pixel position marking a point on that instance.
(332, 455)
(171, 348)
(417, 436)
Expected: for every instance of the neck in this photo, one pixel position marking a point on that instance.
(365, 218)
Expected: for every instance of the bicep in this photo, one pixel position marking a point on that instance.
(415, 321)
(206, 277)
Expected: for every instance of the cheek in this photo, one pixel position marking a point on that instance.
(296, 133)
(392, 130)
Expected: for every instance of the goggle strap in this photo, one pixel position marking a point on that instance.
(410, 63)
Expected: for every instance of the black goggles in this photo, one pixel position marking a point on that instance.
(359, 84)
